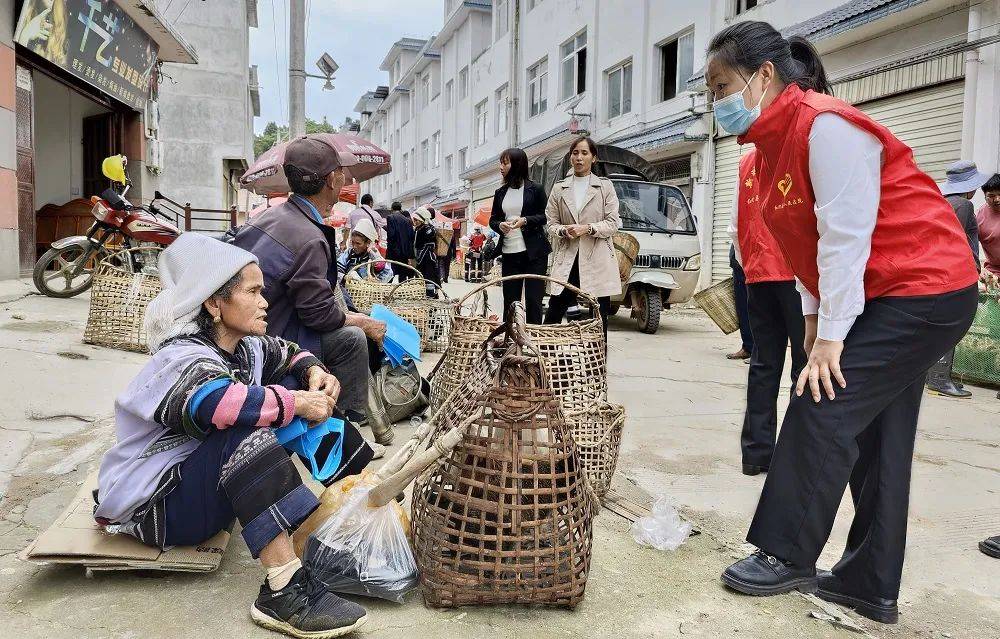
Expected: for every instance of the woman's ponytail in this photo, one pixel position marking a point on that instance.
(747, 45)
(813, 75)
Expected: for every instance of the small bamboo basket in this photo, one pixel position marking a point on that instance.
(507, 516)
(626, 250)
(368, 291)
(598, 434)
(118, 300)
(719, 302)
(431, 317)
(573, 352)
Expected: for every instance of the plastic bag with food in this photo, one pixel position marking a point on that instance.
(361, 550)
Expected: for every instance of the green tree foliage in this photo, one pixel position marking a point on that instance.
(274, 134)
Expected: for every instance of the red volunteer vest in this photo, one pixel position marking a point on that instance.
(918, 246)
(761, 255)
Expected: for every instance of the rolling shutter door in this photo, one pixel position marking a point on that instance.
(929, 121)
(727, 164)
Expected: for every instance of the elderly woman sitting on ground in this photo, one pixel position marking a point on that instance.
(196, 445)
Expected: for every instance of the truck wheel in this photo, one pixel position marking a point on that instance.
(648, 314)
(615, 308)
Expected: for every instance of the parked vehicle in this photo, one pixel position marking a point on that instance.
(67, 269)
(658, 216)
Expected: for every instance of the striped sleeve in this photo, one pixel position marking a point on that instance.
(237, 404)
(283, 358)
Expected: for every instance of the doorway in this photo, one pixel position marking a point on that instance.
(101, 138)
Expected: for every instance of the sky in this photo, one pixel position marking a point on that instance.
(356, 33)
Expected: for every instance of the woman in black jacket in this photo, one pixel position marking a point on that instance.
(518, 215)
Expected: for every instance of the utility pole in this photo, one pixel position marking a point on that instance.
(297, 68)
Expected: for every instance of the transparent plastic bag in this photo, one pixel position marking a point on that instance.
(361, 550)
(663, 528)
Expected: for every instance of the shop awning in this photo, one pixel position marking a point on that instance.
(482, 217)
(173, 46)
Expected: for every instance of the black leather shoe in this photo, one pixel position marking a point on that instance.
(991, 547)
(762, 574)
(875, 608)
(750, 469)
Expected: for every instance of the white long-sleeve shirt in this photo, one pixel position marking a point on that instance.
(845, 170)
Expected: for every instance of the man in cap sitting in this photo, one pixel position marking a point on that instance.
(298, 256)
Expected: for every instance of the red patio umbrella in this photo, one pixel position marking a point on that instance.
(482, 217)
(366, 160)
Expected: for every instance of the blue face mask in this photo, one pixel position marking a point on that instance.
(732, 114)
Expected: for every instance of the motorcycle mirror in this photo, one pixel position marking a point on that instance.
(113, 168)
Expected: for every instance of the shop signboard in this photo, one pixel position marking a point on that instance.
(95, 40)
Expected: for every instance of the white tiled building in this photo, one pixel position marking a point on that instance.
(630, 73)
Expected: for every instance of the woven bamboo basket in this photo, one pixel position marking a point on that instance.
(443, 241)
(598, 434)
(719, 301)
(118, 300)
(626, 250)
(431, 317)
(573, 352)
(368, 291)
(507, 516)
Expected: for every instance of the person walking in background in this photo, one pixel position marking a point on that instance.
(399, 240)
(425, 249)
(474, 264)
(742, 311)
(366, 210)
(959, 189)
(518, 215)
(888, 285)
(775, 313)
(582, 213)
(988, 221)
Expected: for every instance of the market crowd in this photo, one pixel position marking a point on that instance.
(848, 251)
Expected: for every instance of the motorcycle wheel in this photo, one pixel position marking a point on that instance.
(56, 272)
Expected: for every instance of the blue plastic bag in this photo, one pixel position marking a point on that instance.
(300, 438)
(401, 337)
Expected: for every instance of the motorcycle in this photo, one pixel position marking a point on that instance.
(118, 225)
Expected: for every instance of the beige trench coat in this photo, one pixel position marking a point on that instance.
(598, 262)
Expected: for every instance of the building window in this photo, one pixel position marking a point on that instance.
(538, 88)
(463, 83)
(574, 66)
(436, 150)
(425, 155)
(502, 17)
(462, 153)
(449, 94)
(742, 6)
(449, 167)
(406, 165)
(620, 90)
(425, 89)
(676, 65)
(482, 112)
(502, 109)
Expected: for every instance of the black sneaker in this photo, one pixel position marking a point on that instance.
(875, 608)
(305, 608)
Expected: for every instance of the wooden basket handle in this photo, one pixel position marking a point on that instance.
(589, 299)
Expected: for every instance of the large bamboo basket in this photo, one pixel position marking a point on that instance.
(368, 291)
(507, 516)
(598, 434)
(626, 250)
(574, 352)
(118, 300)
(431, 317)
(719, 301)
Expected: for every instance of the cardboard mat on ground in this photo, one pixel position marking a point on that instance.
(75, 538)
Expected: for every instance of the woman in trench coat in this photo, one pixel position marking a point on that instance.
(582, 214)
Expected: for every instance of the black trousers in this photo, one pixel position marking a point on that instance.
(775, 310)
(520, 264)
(559, 304)
(865, 437)
(740, 292)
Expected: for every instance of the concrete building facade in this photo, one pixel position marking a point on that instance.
(176, 98)
(630, 72)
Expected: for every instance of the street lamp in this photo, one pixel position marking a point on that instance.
(327, 67)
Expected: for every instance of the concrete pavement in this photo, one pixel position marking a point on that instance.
(682, 439)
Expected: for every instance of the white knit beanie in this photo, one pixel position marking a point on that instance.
(191, 270)
(423, 213)
(366, 228)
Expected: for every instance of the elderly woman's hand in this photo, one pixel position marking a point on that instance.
(320, 380)
(313, 406)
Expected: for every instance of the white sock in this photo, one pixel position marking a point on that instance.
(279, 576)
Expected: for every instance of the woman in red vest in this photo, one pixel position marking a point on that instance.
(888, 285)
(775, 313)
